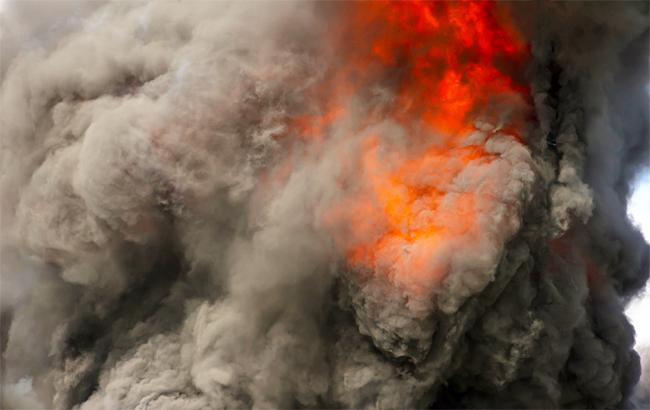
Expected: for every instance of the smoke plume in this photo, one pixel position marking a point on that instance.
(317, 205)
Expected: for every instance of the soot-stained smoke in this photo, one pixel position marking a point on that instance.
(317, 205)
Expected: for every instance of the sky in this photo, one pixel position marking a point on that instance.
(638, 210)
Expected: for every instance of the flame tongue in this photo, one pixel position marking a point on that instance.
(455, 59)
(422, 210)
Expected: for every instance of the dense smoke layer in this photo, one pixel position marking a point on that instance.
(292, 204)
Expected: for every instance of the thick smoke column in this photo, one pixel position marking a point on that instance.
(292, 204)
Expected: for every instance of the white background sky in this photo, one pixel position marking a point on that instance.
(639, 212)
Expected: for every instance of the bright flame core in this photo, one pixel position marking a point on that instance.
(447, 66)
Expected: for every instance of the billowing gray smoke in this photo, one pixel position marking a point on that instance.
(164, 246)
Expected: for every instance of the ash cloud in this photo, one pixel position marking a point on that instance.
(164, 246)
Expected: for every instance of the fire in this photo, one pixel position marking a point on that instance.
(457, 57)
(447, 66)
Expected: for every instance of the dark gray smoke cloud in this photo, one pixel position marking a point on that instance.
(151, 259)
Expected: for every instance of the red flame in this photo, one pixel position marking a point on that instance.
(447, 65)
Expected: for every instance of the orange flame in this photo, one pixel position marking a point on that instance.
(447, 64)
